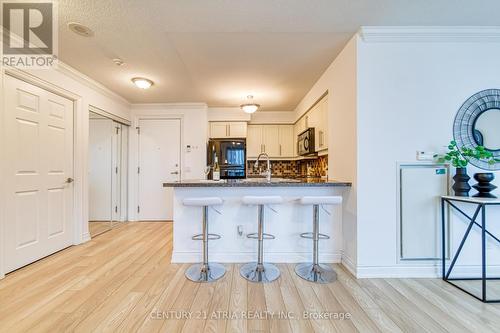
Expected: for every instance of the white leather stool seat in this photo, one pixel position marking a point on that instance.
(321, 200)
(262, 200)
(202, 201)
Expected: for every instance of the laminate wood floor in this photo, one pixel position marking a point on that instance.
(123, 281)
(98, 227)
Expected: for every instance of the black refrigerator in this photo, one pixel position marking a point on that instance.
(231, 155)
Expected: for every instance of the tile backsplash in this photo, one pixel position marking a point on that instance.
(313, 168)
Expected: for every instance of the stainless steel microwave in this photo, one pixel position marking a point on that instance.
(305, 142)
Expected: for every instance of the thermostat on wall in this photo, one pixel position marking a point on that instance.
(426, 155)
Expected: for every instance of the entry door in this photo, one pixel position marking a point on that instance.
(38, 172)
(159, 162)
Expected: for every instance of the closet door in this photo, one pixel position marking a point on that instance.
(38, 174)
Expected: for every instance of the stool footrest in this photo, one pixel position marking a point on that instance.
(210, 237)
(310, 235)
(256, 236)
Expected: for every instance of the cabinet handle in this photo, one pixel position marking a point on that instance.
(228, 131)
(280, 150)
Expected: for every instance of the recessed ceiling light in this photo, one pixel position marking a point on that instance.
(80, 29)
(118, 61)
(249, 107)
(142, 83)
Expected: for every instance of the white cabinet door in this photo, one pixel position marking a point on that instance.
(254, 140)
(219, 130)
(159, 161)
(271, 140)
(38, 172)
(286, 140)
(322, 127)
(237, 129)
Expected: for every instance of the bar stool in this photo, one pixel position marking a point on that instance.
(315, 271)
(204, 272)
(260, 271)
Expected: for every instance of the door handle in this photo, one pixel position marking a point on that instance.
(174, 173)
(69, 180)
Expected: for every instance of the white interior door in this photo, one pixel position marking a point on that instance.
(159, 161)
(100, 164)
(39, 162)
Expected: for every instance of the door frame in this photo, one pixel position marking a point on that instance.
(136, 149)
(79, 155)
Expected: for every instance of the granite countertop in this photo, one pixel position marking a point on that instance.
(259, 182)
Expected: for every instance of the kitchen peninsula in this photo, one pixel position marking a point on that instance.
(233, 220)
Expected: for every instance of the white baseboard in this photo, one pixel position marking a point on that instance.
(349, 264)
(424, 271)
(86, 237)
(242, 257)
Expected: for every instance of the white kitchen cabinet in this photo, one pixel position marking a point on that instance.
(271, 140)
(218, 130)
(237, 129)
(287, 141)
(229, 129)
(321, 142)
(276, 140)
(254, 140)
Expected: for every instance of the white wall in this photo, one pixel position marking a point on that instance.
(194, 133)
(339, 80)
(409, 91)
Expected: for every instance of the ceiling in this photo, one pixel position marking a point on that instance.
(220, 51)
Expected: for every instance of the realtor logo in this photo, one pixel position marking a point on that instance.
(29, 35)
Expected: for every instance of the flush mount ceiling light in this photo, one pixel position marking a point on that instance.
(250, 107)
(80, 29)
(142, 83)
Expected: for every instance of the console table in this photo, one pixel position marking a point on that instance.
(480, 208)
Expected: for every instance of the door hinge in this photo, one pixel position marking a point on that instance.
(138, 130)
(116, 209)
(138, 209)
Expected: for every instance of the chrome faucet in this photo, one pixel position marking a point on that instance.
(266, 173)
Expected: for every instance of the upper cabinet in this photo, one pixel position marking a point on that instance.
(229, 129)
(275, 140)
(317, 118)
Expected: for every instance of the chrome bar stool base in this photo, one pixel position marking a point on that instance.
(319, 273)
(205, 272)
(264, 272)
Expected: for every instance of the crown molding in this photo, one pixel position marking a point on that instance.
(456, 34)
(89, 82)
(169, 106)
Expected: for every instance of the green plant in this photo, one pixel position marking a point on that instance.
(459, 158)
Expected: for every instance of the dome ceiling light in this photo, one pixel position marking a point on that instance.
(250, 107)
(142, 83)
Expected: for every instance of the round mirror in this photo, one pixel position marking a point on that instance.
(477, 123)
(486, 129)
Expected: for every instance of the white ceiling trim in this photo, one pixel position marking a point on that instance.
(169, 106)
(381, 34)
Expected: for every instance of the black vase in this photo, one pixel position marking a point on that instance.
(461, 185)
(483, 186)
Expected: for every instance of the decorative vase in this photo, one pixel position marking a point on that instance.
(461, 185)
(483, 186)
